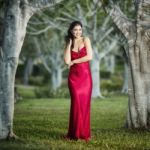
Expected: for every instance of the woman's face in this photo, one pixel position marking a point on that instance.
(77, 31)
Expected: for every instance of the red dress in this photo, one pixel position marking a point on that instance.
(80, 87)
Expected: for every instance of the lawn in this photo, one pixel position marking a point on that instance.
(41, 123)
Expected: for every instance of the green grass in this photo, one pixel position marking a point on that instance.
(26, 91)
(41, 123)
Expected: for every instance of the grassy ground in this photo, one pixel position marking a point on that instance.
(41, 123)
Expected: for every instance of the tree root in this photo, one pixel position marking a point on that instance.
(12, 136)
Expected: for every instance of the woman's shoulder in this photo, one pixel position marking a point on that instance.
(86, 39)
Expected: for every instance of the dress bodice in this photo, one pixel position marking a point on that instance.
(83, 65)
(82, 52)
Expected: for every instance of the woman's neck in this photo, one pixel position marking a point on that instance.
(78, 39)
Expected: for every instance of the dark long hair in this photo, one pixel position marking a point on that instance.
(69, 34)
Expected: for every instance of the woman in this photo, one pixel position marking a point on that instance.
(77, 54)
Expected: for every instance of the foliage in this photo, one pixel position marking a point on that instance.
(105, 74)
(19, 73)
(37, 81)
(46, 92)
(42, 92)
(109, 83)
(112, 84)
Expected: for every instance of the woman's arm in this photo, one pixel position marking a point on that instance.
(89, 52)
(67, 55)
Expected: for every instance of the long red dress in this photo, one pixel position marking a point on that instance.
(80, 87)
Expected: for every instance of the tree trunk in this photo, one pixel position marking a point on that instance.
(28, 70)
(95, 69)
(139, 82)
(14, 33)
(139, 72)
(138, 37)
(17, 15)
(125, 77)
(56, 78)
(7, 77)
(110, 63)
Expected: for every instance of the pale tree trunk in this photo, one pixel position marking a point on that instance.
(56, 78)
(138, 37)
(95, 69)
(28, 70)
(95, 63)
(14, 34)
(17, 15)
(125, 77)
(97, 56)
(56, 68)
(110, 63)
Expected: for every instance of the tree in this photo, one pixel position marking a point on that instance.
(28, 57)
(49, 50)
(137, 33)
(51, 55)
(16, 17)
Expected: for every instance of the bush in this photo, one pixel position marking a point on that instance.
(113, 84)
(105, 74)
(47, 92)
(37, 81)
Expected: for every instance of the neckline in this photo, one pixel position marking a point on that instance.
(79, 50)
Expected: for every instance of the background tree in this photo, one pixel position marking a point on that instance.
(51, 55)
(137, 33)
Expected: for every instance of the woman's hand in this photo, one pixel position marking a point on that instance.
(71, 63)
(70, 42)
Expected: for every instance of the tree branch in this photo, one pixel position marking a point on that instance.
(42, 4)
(109, 48)
(143, 16)
(119, 18)
(40, 31)
(40, 54)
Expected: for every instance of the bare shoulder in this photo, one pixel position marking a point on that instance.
(87, 39)
(88, 44)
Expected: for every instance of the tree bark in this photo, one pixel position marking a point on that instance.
(17, 15)
(14, 33)
(138, 37)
